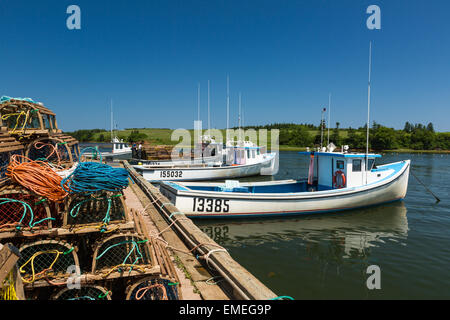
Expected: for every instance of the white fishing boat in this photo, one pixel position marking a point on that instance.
(244, 161)
(337, 181)
(119, 149)
(212, 153)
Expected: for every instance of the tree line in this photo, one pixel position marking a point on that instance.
(412, 136)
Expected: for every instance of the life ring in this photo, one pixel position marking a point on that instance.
(341, 184)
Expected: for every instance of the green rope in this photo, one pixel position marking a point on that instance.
(135, 246)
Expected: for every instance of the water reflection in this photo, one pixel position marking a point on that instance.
(344, 235)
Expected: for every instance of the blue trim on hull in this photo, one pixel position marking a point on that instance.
(280, 214)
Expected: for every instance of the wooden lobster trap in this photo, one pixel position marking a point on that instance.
(104, 210)
(153, 288)
(23, 211)
(8, 147)
(26, 119)
(126, 254)
(50, 260)
(85, 292)
(53, 150)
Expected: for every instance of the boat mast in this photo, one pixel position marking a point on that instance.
(329, 107)
(239, 117)
(112, 129)
(198, 102)
(368, 108)
(209, 117)
(321, 129)
(228, 106)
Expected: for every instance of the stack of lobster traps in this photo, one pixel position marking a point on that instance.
(83, 246)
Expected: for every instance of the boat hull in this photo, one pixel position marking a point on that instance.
(185, 173)
(197, 204)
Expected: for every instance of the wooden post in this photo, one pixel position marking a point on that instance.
(8, 258)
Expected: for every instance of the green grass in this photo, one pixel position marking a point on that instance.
(161, 136)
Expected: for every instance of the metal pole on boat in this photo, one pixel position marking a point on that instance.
(239, 118)
(321, 129)
(228, 107)
(209, 117)
(368, 108)
(112, 134)
(198, 102)
(329, 106)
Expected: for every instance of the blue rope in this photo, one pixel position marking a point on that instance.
(93, 176)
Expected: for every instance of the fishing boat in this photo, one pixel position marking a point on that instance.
(212, 153)
(244, 161)
(336, 181)
(119, 149)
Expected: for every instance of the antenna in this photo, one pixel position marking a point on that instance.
(368, 108)
(209, 117)
(329, 110)
(228, 105)
(198, 102)
(239, 118)
(321, 128)
(112, 129)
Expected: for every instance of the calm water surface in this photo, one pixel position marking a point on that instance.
(326, 256)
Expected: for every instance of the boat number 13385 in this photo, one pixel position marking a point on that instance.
(210, 205)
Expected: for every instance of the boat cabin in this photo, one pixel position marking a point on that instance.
(246, 153)
(119, 146)
(335, 170)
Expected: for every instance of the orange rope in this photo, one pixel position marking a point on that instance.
(55, 150)
(145, 289)
(37, 176)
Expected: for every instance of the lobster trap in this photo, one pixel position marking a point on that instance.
(86, 292)
(51, 260)
(153, 288)
(128, 254)
(8, 147)
(100, 209)
(52, 150)
(22, 210)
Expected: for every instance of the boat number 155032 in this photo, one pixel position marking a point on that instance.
(171, 174)
(210, 205)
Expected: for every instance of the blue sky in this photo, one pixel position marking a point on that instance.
(284, 56)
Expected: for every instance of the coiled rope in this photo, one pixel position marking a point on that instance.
(91, 177)
(37, 176)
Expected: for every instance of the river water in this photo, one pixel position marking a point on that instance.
(326, 256)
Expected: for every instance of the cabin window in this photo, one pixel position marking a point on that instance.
(258, 152)
(253, 154)
(340, 164)
(370, 164)
(356, 165)
(248, 154)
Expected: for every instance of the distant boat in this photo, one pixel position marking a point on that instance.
(342, 183)
(235, 162)
(119, 149)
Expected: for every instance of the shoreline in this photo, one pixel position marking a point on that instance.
(294, 148)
